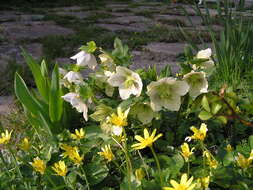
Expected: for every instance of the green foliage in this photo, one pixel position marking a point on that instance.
(128, 142)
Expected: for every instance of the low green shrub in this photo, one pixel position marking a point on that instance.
(124, 129)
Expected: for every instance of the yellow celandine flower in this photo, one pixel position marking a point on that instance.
(5, 137)
(107, 153)
(25, 145)
(229, 148)
(119, 119)
(72, 153)
(210, 160)
(139, 174)
(147, 141)
(243, 162)
(186, 152)
(60, 168)
(199, 134)
(39, 165)
(204, 182)
(78, 135)
(184, 184)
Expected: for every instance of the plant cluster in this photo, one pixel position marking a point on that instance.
(125, 129)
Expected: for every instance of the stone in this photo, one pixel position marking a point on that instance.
(80, 15)
(11, 52)
(68, 9)
(170, 49)
(33, 30)
(135, 27)
(126, 20)
(196, 20)
(6, 104)
(145, 59)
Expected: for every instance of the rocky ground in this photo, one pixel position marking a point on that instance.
(150, 29)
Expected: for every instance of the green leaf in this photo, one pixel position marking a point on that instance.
(25, 97)
(55, 100)
(205, 104)
(90, 47)
(251, 141)
(204, 115)
(228, 159)
(222, 119)
(216, 108)
(40, 81)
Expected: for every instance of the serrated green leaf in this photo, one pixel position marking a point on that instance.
(204, 115)
(216, 108)
(205, 104)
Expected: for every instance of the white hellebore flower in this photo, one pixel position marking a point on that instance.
(197, 82)
(167, 93)
(74, 77)
(82, 59)
(128, 82)
(75, 100)
(205, 54)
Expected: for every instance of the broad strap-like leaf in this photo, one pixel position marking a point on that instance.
(55, 100)
(25, 97)
(40, 80)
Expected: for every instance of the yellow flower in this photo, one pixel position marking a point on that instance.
(139, 174)
(199, 134)
(72, 153)
(119, 119)
(204, 182)
(229, 148)
(5, 137)
(184, 184)
(107, 153)
(148, 140)
(39, 165)
(60, 168)
(25, 145)
(243, 162)
(186, 152)
(78, 135)
(210, 159)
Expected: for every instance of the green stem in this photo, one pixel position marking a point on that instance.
(85, 178)
(118, 166)
(17, 167)
(144, 163)
(128, 162)
(188, 168)
(4, 162)
(157, 163)
(50, 180)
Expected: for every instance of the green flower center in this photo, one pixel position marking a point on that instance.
(129, 81)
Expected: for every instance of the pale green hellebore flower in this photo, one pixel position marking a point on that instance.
(197, 82)
(128, 82)
(82, 59)
(205, 54)
(167, 93)
(75, 100)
